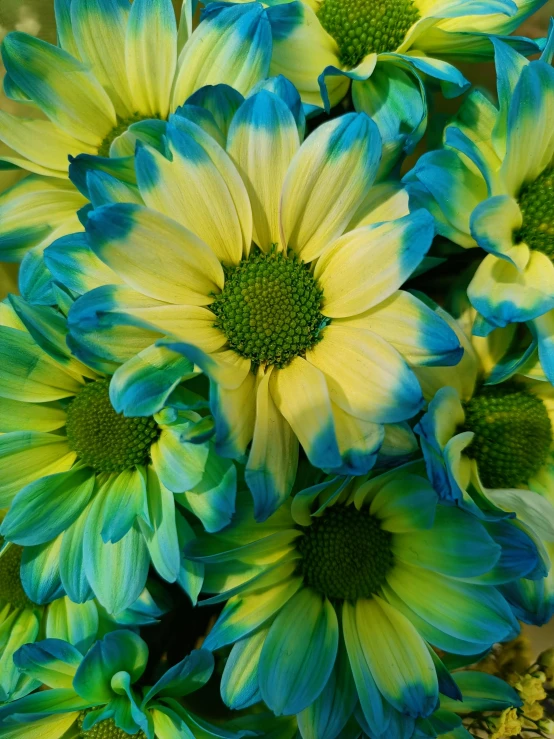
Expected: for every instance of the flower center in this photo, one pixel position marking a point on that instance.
(362, 27)
(105, 440)
(537, 206)
(122, 125)
(104, 729)
(269, 309)
(345, 553)
(11, 589)
(513, 434)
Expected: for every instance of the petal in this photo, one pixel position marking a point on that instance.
(42, 142)
(273, 458)
(40, 572)
(98, 27)
(398, 657)
(18, 416)
(493, 225)
(470, 612)
(243, 614)
(51, 661)
(347, 357)
(300, 393)
(76, 623)
(151, 56)
(405, 504)
(212, 500)
(122, 236)
(60, 86)
(234, 412)
(359, 442)
(296, 664)
(239, 682)
(222, 101)
(264, 130)
(366, 266)
(117, 572)
(26, 456)
(179, 464)
(503, 294)
(160, 533)
(341, 156)
(125, 501)
(72, 570)
(232, 45)
(170, 186)
(444, 548)
(414, 329)
(46, 507)
(27, 373)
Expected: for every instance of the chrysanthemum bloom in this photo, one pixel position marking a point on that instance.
(102, 696)
(492, 186)
(490, 449)
(304, 333)
(118, 72)
(386, 48)
(22, 620)
(341, 589)
(88, 490)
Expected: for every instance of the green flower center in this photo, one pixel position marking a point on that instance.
(104, 729)
(345, 553)
(269, 309)
(362, 27)
(11, 589)
(537, 206)
(105, 440)
(513, 434)
(122, 125)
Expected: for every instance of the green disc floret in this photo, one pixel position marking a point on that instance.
(345, 553)
(536, 202)
(362, 27)
(104, 439)
(122, 125)
(104, 729)
(513, 434)
(11, 589)
(269, 309)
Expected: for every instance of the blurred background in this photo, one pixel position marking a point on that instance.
(37, 17)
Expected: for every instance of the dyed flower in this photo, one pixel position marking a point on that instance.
(120, 69)
(22, 620)
(333, 599)
(492, 186)
(304, 334)
(489, 448)
(387, 48)
(102, 695)
(88, 490)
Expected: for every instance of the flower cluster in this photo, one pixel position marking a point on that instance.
(276, 410)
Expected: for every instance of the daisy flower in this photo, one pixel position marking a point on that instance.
(387, 48)
(102, 694)
(96, 496)
(338, 595)
(281, 283)
(489, 448)
(492, 186)
(118, 71)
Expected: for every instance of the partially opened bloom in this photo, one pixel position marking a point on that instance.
(22, 621)
(337, 596)
(304, 333)
(103, 694)
(489, 448)
(96, 496)
(118, 72)
(492, 186)
(324, 44)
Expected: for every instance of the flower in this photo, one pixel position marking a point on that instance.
(304, 334)
(496, 191)
(120, 69)
(333, 599)
(489, 448)
(94, 495)
(22, 621)
(100, 694)
(387, 48)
